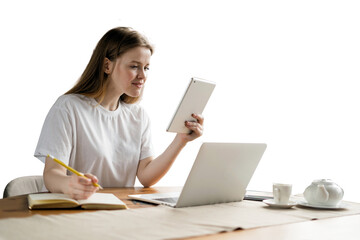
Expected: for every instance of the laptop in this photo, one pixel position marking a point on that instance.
(220, 174)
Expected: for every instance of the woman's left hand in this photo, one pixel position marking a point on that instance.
(195, 127)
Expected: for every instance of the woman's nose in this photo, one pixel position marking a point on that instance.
(141, 74)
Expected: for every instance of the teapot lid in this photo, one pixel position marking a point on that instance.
(323, 181)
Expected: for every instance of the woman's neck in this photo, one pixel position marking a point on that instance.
(109, 102)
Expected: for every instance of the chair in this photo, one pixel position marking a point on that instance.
(23, 185)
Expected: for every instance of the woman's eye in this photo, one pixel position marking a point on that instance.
(146, 68)
(134, 67)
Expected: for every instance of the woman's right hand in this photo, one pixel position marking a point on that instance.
(81, 188)
(56, 180)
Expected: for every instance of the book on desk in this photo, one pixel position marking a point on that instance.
(104, 201)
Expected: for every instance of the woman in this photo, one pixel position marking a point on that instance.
(97, 128)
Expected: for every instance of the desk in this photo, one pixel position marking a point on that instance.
(346, 227)
(18, 207)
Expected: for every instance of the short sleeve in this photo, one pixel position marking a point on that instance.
(147, 149)
(56, 135)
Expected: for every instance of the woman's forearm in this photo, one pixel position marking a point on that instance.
(55, 177)
(55, 180)
(77, 187)
(151, 171)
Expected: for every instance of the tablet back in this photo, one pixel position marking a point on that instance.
(194, 101)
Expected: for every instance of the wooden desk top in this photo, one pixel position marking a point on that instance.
(18, 207)
(332, 228)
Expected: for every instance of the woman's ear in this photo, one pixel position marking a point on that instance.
(107, 66)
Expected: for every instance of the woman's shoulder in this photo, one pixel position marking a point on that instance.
(68, 101)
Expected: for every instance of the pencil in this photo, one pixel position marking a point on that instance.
(72, 170)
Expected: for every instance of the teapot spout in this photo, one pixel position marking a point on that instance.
(321, 195)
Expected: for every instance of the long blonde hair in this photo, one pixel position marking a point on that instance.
(93, 82)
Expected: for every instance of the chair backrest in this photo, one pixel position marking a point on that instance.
(23, 185)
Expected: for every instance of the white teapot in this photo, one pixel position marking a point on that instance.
(323, 192)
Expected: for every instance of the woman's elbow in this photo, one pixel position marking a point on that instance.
(146, 183)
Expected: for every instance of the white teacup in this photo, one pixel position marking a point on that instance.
(282, 193)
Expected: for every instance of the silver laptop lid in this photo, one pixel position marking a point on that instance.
(221, 173)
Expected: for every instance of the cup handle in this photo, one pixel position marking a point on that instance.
(277, 194)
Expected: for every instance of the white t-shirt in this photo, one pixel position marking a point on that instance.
(91, 139)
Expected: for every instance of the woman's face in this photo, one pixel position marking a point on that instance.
(128, 73)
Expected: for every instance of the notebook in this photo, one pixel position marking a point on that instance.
(221, 173)
(59, 200)
(194, 100)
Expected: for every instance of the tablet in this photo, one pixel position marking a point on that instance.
(194, 100)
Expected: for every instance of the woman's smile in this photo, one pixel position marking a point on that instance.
(138, 84)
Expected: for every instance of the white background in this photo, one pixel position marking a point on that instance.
(286, 73)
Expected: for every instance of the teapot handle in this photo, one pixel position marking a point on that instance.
(322, 193)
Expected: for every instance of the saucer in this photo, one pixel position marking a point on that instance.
(271, 203)
(306, 204)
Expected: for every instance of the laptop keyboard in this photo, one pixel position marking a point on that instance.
(168, 200)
